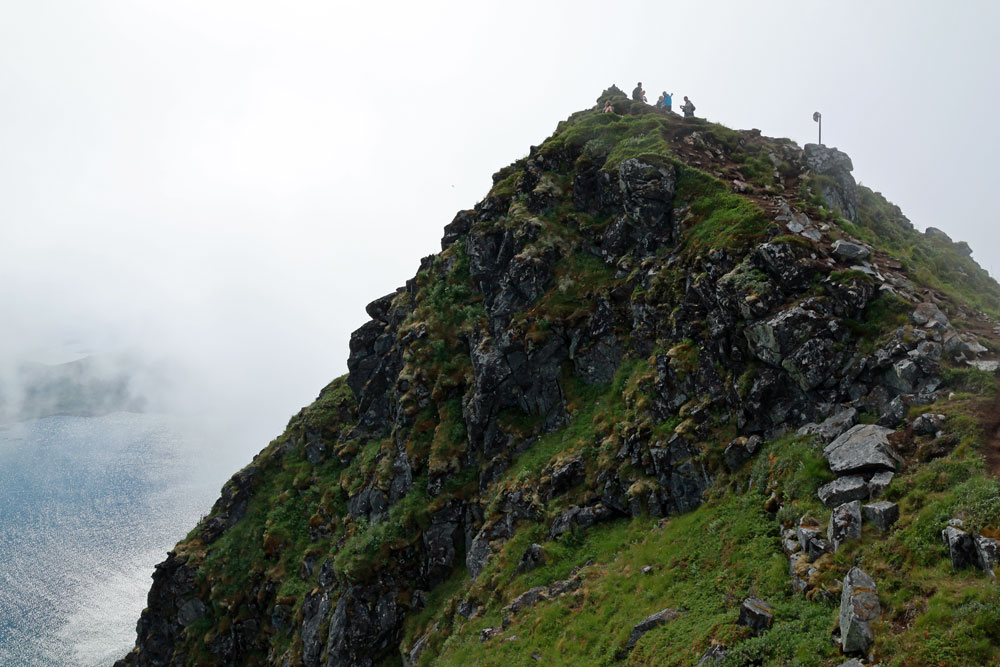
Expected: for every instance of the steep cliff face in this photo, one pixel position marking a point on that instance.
(607, 396)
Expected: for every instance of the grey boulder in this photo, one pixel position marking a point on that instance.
(850, 252)
(862, 448)
(843, 490)
(881, 514)
(831, 427)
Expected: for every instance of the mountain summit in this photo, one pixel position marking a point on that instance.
(670, 394)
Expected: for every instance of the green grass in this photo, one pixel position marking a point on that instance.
(704, 562)
(721, 219)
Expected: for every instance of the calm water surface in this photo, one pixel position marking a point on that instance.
(88, 505)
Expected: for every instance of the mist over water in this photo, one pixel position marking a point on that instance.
(88, 505)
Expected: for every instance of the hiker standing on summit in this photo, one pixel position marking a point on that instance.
(639, 95)
(667, 101)
(688, 108)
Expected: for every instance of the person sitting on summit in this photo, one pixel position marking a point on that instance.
(608, 107)
(688, 108)
(639, 95)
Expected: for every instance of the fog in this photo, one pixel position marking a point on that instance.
(218, 188)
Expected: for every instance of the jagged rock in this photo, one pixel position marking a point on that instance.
(585, 517)
(565, 476)
(487, 634)
(878, 483)
(811, 543)
(850, 252)
(419, 647)
(756, 615)
(800, 572)
(845, 524)
(790, 541)
(530, 559)
(840, 190)
(881, 514)
(935, 233)
(467, 609)
(925, 352)
(961, 547)
(363, 624)
(902, 376)
(645, 625)
(843, 490)
(859, 607)
(443, 541)
(479, 553)
(987, 552)
(529, 598)
(740, 450)
(777, 337)
(715, 655)
(928, 312)
(862, 448)
(190, 612)
(315, 610)
(894, 415)
(831, 427)
(928, 423)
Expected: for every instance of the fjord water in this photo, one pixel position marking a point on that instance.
(88, 506)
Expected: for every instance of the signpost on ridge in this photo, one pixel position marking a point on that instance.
(818, 117)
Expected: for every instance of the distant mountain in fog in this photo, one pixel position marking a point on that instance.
(86, 387)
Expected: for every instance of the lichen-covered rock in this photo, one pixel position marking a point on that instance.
(845, 524)
(987, 552)
(740, 450)
(862, 448)
(859, 608)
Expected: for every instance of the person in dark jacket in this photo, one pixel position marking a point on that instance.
(639, 95)
(688, 108)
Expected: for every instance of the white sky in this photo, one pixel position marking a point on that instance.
(224, 185)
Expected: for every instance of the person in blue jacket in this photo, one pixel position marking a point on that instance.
(667, 101)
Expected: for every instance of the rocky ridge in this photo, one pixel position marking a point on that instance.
(642, 316)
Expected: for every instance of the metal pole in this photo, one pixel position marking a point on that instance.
(818, 117)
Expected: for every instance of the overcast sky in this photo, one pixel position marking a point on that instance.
(223, 186)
